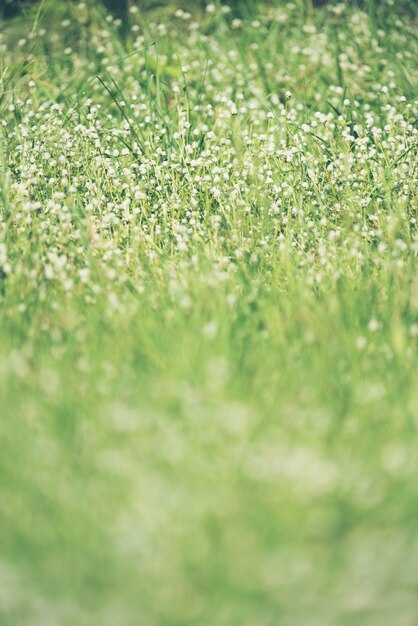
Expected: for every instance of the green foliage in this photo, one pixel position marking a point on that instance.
(208, 315)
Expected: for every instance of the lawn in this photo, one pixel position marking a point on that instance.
(209, 315)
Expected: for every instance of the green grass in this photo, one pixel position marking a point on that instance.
(209, 316)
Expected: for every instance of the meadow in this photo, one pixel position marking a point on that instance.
(209, 315)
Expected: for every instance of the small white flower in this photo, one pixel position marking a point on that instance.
(373, 325)
(361, 343)
(210, 330)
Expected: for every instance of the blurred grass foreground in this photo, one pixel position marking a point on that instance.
(208, 314)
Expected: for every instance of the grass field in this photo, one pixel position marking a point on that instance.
(209, 315)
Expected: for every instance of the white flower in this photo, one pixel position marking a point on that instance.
(210, 330)
(373, 325)
(361, 343)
